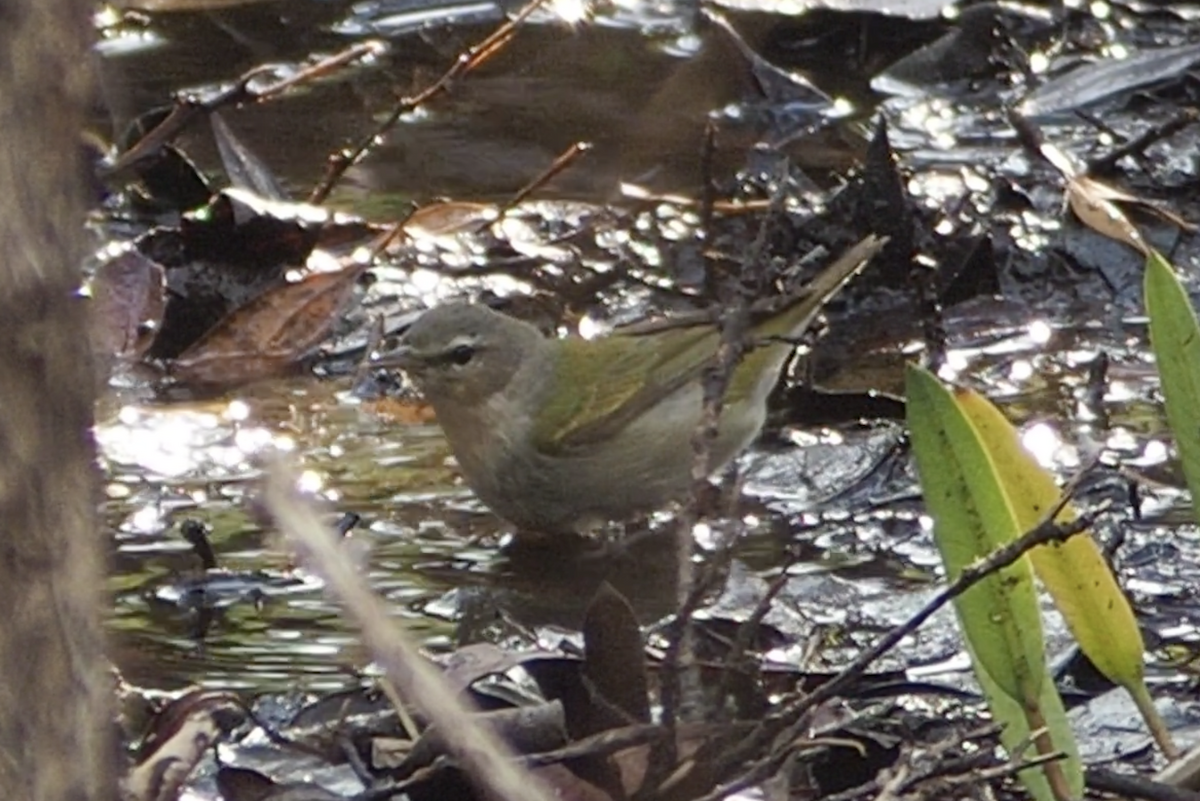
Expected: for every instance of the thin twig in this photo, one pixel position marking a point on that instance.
(188, 109)
(1135, 147)
(679, 675)
(791, 717)
(749, 627)
(1136, 786)
(467, 61)
(560, 163)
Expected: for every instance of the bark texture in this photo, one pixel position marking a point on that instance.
(53, 688)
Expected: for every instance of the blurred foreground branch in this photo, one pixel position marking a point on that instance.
(485, 759)
(53, 695)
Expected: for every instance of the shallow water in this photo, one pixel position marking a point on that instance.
(638, 82)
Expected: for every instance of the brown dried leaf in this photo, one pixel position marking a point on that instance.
(128, 301)
(442, 219)
(268, 335)
(1103, 190)
(404, 411)
(1096, 210)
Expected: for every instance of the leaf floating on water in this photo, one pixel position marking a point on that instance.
(1103, 190)
(128, 301)
(271, 333)
(1095, 203)
(447, 219)
(405, 412)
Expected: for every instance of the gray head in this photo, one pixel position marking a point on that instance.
(464, 352)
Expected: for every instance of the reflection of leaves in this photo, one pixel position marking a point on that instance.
(127, 305)
(615, 661)
(270, 333)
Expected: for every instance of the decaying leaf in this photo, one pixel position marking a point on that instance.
(447, 219)
(1096, 210)
(1095, 203)
(271, 333)
(182, 734)
(128, 301)
(1102, 190)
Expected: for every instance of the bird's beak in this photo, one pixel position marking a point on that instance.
(402, 357)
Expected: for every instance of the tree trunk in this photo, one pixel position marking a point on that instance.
(53, 688)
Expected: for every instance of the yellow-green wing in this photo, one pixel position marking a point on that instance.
(603, 385)
(600, 386)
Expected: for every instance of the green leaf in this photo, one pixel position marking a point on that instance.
(972, 518)
(1074, 572)
(1175, 339)
(1000, 617)
(1016, 735)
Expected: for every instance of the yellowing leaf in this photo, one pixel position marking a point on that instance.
(972, 517)
(1074, 572)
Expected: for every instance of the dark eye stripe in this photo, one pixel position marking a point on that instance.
(458, 355)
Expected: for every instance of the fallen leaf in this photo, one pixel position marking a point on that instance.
(403, 411)
(128, 300)
(1097, 211)
(271, 333)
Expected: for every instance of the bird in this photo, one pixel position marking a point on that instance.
(562, 435)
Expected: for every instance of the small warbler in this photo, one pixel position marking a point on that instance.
(560, 435)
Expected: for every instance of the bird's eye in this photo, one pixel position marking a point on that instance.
(462, 354)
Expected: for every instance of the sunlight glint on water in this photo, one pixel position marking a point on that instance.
(180, 441)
